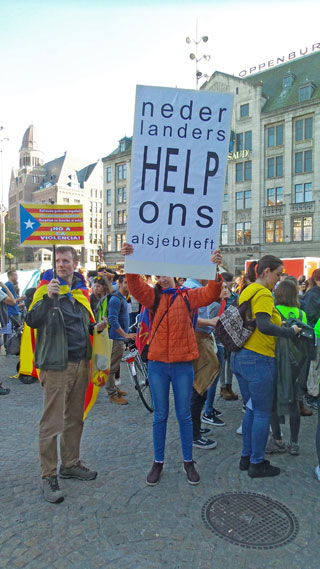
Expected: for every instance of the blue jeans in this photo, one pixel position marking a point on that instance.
(212, 390)
(180, 374)
(256, 375)
(318, 431)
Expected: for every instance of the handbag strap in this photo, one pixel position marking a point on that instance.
(162, 317)
(250, 299)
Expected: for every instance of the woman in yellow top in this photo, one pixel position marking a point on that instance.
(255, 367)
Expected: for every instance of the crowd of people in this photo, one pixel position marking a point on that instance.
(277, 369)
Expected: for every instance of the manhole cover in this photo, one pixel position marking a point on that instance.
(250, 520)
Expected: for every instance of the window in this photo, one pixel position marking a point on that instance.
(122, 216)
(303, 162)
(108, 197)
(244, 110)
(239, 200)
(247, 170)
(76, 201)
(244, 140)
(274, 231)
(239, 172)
(303, 193)
(243, 171)
(122, 172)
(121, 238)
(288, 79)
(243, 233)
(122, 195)
(302, 229)
(65, 200)
(275, 135)
(224, 234)
(274, 196)
(243, 199)
(248, 140)
(35, 179)
(225, 198)
(303, 129)
(108, 174)
(108, 242)
(275, 167)
(108, 218)
(305, 93)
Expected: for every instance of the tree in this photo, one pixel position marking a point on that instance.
(12, 240)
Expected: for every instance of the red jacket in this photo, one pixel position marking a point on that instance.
(174, 339)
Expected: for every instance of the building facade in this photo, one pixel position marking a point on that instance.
(271, 199)
(65, 180)
(116, 184)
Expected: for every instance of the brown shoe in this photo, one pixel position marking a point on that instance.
(118, 399)
(234, 396)
(192, 475)
(120, 392)
(225, 394)
(304, 412)
(154, 474)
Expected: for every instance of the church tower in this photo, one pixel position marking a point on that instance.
(30, 155)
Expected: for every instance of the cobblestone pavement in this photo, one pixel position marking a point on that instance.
(117, 521)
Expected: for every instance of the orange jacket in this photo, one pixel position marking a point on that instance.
(174, 339)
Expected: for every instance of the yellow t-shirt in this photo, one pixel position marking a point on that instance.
(262, 302)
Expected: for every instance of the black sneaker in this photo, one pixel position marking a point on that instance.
(262, 470)
(154, 474)
(212, 419)
(51, 490)
(244, 463)
(204, 431)
(207, 418)
(311, 401)
(192, 475)
(202, 442)
(4, 390)
(78, 471)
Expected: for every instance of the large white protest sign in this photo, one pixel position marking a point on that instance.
(180, 146)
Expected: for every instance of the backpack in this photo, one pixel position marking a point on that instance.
(235, 325)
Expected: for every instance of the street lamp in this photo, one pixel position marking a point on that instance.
(194, 56)
(2, 229)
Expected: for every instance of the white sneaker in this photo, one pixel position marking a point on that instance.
(239, 430)
(317, 472)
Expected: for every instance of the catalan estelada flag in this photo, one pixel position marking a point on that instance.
(143, 332)
(50, 224)
(28, 340)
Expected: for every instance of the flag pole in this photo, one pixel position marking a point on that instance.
(54, 261)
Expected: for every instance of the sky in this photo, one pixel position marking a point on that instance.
(71, 67)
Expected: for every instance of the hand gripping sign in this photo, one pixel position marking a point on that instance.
(180, 149)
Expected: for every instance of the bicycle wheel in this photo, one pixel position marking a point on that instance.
(142, 386)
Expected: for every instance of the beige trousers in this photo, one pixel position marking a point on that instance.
(116, 355)
(63, 406)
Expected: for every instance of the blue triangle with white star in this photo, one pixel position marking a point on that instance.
(28, 224)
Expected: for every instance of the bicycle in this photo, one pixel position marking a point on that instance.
(138, 374)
